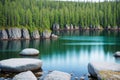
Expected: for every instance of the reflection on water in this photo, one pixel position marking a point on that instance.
(71, 52)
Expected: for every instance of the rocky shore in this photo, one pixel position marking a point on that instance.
(24, 33)
(91, 27)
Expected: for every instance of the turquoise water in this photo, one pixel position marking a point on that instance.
(71, 52)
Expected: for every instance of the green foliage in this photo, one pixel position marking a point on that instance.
(42, 14)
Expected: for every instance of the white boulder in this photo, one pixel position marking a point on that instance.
(117, 54)
(29, 52)
(58, 75)
(54, 36)
(95, 68)
(20, 64)
(25, 76)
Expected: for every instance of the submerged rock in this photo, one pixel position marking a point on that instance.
(20, 64)
(25, 76)
(35, 34)
(14, 33)
(25, 33)
(3, 34)
(29, 52)
(97, 69)
(58, 75)
(117, 54)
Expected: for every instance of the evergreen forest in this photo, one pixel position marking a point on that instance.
(42, 14)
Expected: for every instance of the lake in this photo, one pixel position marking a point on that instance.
(71, 52)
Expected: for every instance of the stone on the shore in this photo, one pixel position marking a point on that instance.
(14, 33)
(3, 34)
(54, 36)
(25, 33)
(56, 27)
(76, 27)
(117, 54)
(97, 69)
(67, 27)
(28, 75)
(29, 52)
(46, 34)
(35, 34)
(71, 26)
(58, 75)
(20, 64)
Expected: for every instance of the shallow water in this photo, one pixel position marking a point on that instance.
(71, 52)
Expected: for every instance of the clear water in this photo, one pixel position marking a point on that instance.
(71, 52)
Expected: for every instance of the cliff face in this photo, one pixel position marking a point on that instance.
(18, 33)
(3, 34)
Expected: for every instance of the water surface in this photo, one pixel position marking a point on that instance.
(71, 52)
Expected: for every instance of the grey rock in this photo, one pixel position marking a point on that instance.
(67, 27)
(14, 33)
(20, 64)
(54, 36)
(25, 33)
(117, 54)
(29, 52)
(46, 34)
(25, 76)
(3, 34)
(35, 34)
(71, 26)
(56, 27)
(58, 75)
(95, 67)
(76, 27)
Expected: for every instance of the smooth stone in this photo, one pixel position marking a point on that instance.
(20, 64)
(29, 52)
(94, 68)
(54, 36)
(58, 75)
(117, 54)
(25, 76)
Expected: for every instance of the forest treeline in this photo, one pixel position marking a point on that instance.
(43, 14)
